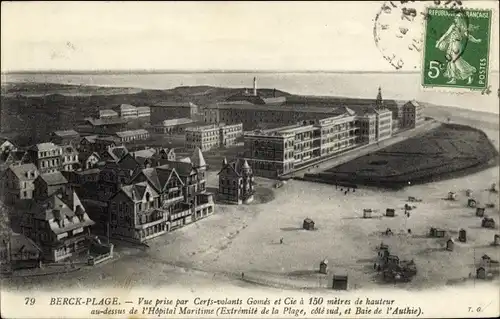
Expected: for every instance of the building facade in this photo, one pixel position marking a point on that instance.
(412, 115)
(134, 135)
(65, 137)
(368, 128)
(174, 126)
(70, 158)
(59, 225)
(236, 182)
(18, 183)
(172, 110)
(213, 136)
(383, 124)
(47, 157)
(126, 111)
(143, 112)
(48, 184)
(275, 152)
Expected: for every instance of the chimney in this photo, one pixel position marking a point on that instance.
(254, 86)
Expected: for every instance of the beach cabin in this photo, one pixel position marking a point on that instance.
(468, 193)
(390, 212)
(488, 222)
(496, 240)
(462, 235)
(481, 273)
(308, 224)
(323, 267)
(472, 202)
(450, 245)
(367, 213)
(340, 282)
(451, 196)
(437, 232)
(480, 211)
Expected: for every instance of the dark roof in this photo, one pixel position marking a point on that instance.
(174, 104)
(106, 121)
(54, 178)
(21, 243)
(66, 133)
(21, 170)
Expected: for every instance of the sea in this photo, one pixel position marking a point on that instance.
(398, 86)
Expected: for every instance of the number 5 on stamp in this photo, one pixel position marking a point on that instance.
(457, 47)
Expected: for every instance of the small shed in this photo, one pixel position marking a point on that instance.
(493, 188)
(437, 232)
(308, 224)
(367, 213)
(340, 282)
(462, 235)
(450, 245)
(468, 193)
(471, 202)
(485, 260)
(452, 196)
(488, 222)
(481, 273)
(323, 267)
(390, 212)
(496, 240)
(480, 211)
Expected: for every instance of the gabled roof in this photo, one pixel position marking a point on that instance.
(20, 171)
(131, 133)
(125, 107)
(147, 153)
(136, 192)
(20, 243)
(118, 152)
(174, 104)
(44, 146)
(197, 159)
(54, 178)
(16, 155)
(89, 138)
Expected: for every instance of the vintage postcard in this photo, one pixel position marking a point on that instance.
(249, 159)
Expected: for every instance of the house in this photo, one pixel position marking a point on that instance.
(390, 212)
(65, 137)
(18, 183)
(47, 157)
(104, 125)
(103, 143)
(367, 213)
(340, 282)
(450, 245)
(166, 153)
(89, 160)
(6, 146)
(412, 115)
(79, 178)
(70, 160)
(323, 267)
(143, 111)
(488, 222)
(480, 211)
(462, 235)
(48, 184)
(20, 252)
(308, 224)
(496, 240)
(236, 182)
(87, 143)
(133, 135)
(59, 225)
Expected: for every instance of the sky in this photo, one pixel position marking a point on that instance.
(259, 36)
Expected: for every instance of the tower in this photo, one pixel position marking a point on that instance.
(254, 86)
(246, 173)
(379, 102)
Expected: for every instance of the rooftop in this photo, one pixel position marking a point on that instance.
(125, 107)
(66, 133)
(174, 104)
(176, 122)
(143, 109)
(45, 146)
(131, 133)
(105, 121)
(21, 171)
(107, 112)
(54, 178)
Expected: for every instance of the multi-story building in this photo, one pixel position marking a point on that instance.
(368, 128)
(236, 182)
(107, 114)
(213, 136)
(59, 225)
(46, 156)
(18, 183)
(412, 115)
(172, 110)
(65, 137)
(143, 112)
(103, 125)
(48, 184)
(275, 152)
(161, 199)
(70, 158)
(126, 111)
(174, 126)
(135, 135)
(384, 124)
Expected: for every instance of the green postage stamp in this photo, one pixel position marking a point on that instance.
(456, 48)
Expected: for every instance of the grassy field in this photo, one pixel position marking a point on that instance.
(435, 154)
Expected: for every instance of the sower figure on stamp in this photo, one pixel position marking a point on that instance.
(453, 42)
